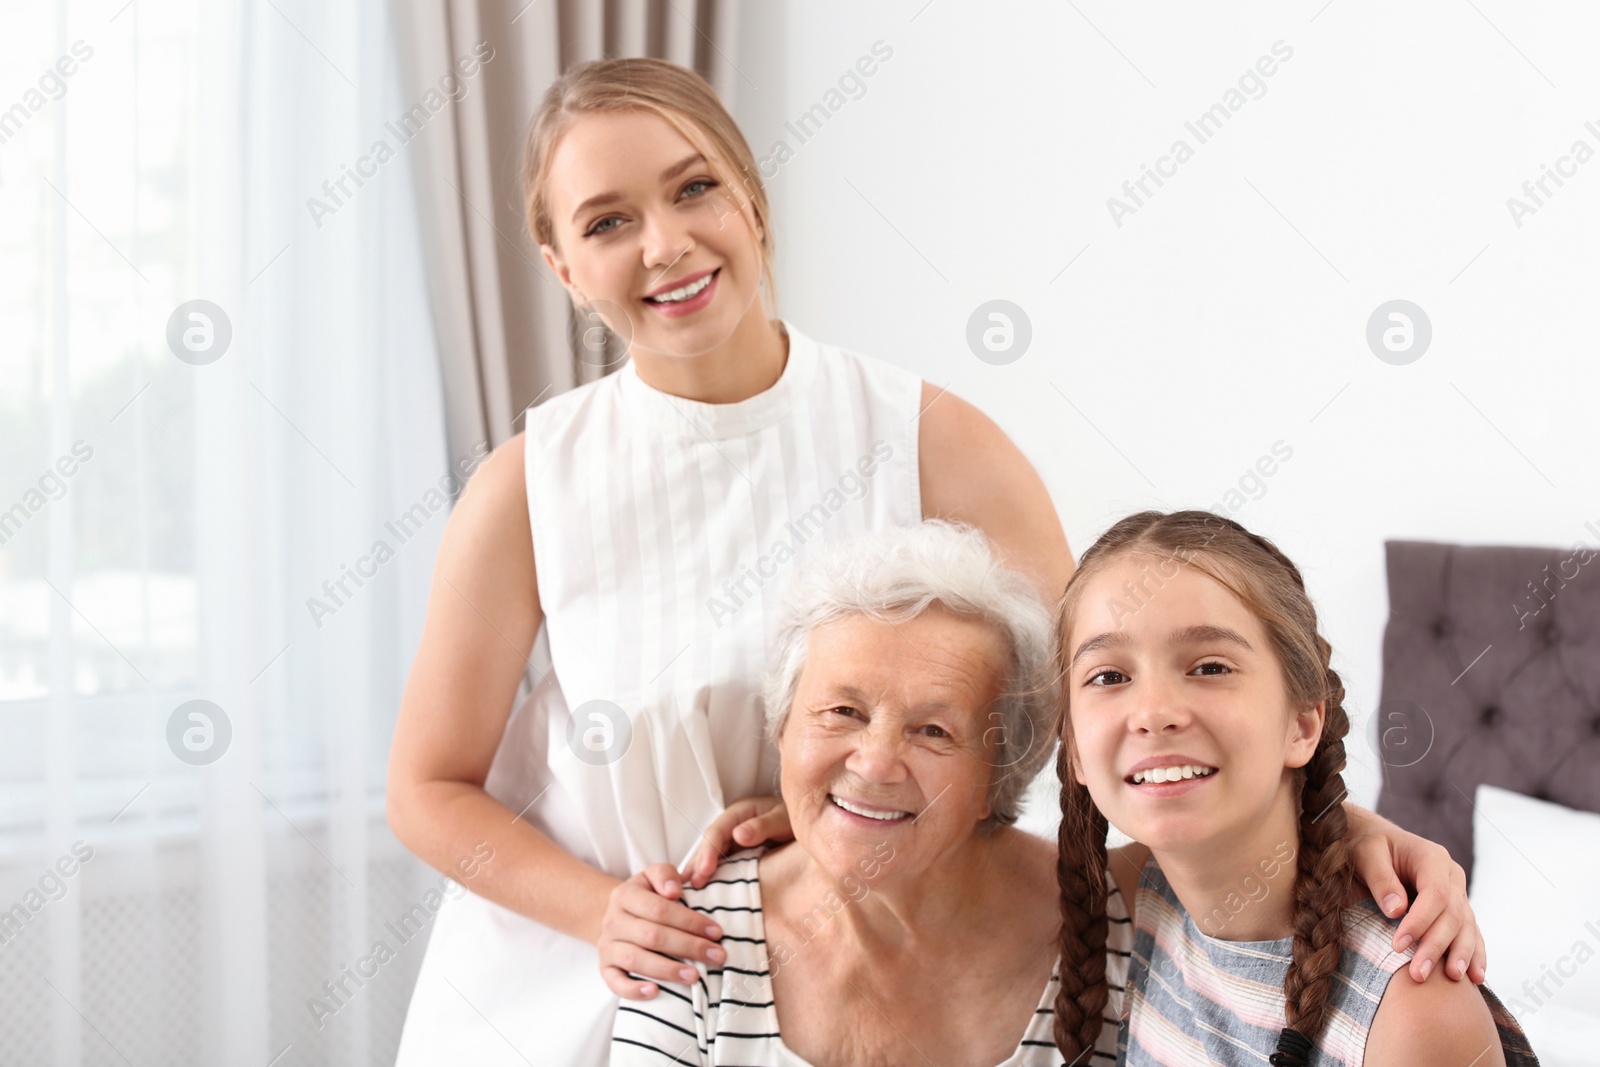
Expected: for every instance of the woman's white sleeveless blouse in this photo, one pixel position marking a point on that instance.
(663, 531)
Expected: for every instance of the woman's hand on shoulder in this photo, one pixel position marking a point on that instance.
(971, 472)
(745, 823)
(1440, 921)
(645, 926)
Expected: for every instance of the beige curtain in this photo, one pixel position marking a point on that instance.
(505, 330)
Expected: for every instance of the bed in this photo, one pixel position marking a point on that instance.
(1488, 727)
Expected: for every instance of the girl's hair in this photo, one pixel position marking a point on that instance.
(1254, 570)
(677, 95)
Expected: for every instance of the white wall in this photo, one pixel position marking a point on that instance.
(1208, 325)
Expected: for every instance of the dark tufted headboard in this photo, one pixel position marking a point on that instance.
(1523, 715)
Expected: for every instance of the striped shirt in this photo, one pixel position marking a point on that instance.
(728, 1016)
(1195, 999)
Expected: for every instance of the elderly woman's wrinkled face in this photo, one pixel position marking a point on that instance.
(887, 749)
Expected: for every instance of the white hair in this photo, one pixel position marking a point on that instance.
(897, 574)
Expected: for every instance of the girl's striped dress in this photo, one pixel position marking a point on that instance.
(1194, 999)
(728, 1015)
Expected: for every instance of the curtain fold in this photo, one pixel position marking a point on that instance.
(505, 328)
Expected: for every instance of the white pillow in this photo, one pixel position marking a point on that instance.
(1536, 892)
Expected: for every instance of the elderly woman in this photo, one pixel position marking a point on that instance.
(912, 698)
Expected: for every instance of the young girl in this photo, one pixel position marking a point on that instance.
(645, 521)
(1203, 718)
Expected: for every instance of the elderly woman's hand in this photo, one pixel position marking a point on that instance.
(1387, 859)
(644, 926)
(747, 822)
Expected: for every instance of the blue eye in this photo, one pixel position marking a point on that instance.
(706, 183)
(596, 228)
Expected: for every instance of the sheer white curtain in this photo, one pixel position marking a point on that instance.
(251, 525)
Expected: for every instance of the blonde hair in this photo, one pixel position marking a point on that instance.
(678, 96)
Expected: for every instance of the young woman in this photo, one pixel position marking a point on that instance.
(644, 523)
(1204, 719)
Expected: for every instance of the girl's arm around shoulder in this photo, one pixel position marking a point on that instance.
(972, 472)
(1436, 1023)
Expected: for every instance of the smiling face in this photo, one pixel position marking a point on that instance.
(1184, 687)
(642, 222)
(887, 739)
